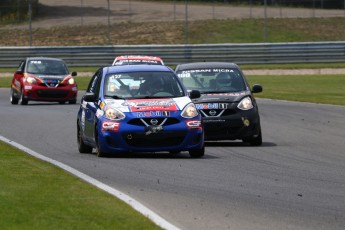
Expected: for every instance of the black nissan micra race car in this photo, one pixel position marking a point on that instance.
(228, 108)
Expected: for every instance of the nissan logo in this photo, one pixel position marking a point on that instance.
(212, 112)
(154, 121)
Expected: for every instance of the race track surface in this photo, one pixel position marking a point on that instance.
(295, 180)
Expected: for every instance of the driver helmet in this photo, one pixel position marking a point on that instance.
(223, 80)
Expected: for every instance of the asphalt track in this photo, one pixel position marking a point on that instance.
(295, 180)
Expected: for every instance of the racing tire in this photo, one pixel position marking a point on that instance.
(74, 101)
(255, 141)
(82, 147)
(23, 100)
(61, 102)
(197, 153)
(13, 99)
(99, 151)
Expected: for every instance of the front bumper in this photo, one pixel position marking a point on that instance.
(241, 125)
(135, 139)
(43, 93)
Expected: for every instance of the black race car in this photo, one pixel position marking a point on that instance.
(227, 105)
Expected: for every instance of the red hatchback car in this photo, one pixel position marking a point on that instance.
(43, 79)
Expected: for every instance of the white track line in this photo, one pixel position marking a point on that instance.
(127, 199)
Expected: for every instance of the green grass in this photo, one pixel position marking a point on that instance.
(324, 89)
(37, 195)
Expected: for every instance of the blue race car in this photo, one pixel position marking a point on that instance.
(141, 108)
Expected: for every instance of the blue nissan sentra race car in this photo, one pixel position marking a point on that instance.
(141, 108)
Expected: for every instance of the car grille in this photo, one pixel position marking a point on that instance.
(165, 121)
(51, 83)
(154, 140)
(52, 93)
(217, 112)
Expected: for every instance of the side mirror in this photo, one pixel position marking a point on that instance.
(257, 89)
(194, 94)
(74, 74)
(19, 72)
(89, 97)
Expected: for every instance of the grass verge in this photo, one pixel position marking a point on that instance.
(37, 195)
(324, 89)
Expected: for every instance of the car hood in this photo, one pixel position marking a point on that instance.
(145, 105)
(223, 97)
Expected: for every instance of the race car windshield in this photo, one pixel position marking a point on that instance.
(142, 85)
(213, 80)
(47, 67)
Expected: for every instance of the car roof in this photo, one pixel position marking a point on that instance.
(137, 68)
(203, 65)
(44, 58)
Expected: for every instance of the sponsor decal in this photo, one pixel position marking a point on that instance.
(153, 114)
(245, 121)
(212, 106)
(17, 83)
(82, 121)
(208, 71)
(151, 105)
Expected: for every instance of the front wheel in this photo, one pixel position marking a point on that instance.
(74, 101)
(82, 147)
(198, 153)
(23, 100)
(255, 140)
(13, 99)
(99, 151)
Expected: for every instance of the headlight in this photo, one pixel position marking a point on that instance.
(189, 111)
(31, 80)
(245, 104)
(114, 114)
(71, 81)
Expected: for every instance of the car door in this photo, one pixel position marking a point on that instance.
(90, 108)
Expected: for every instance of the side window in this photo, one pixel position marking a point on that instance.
(95, 83)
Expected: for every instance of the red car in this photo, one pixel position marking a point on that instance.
(137, 60)
(43, 79)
